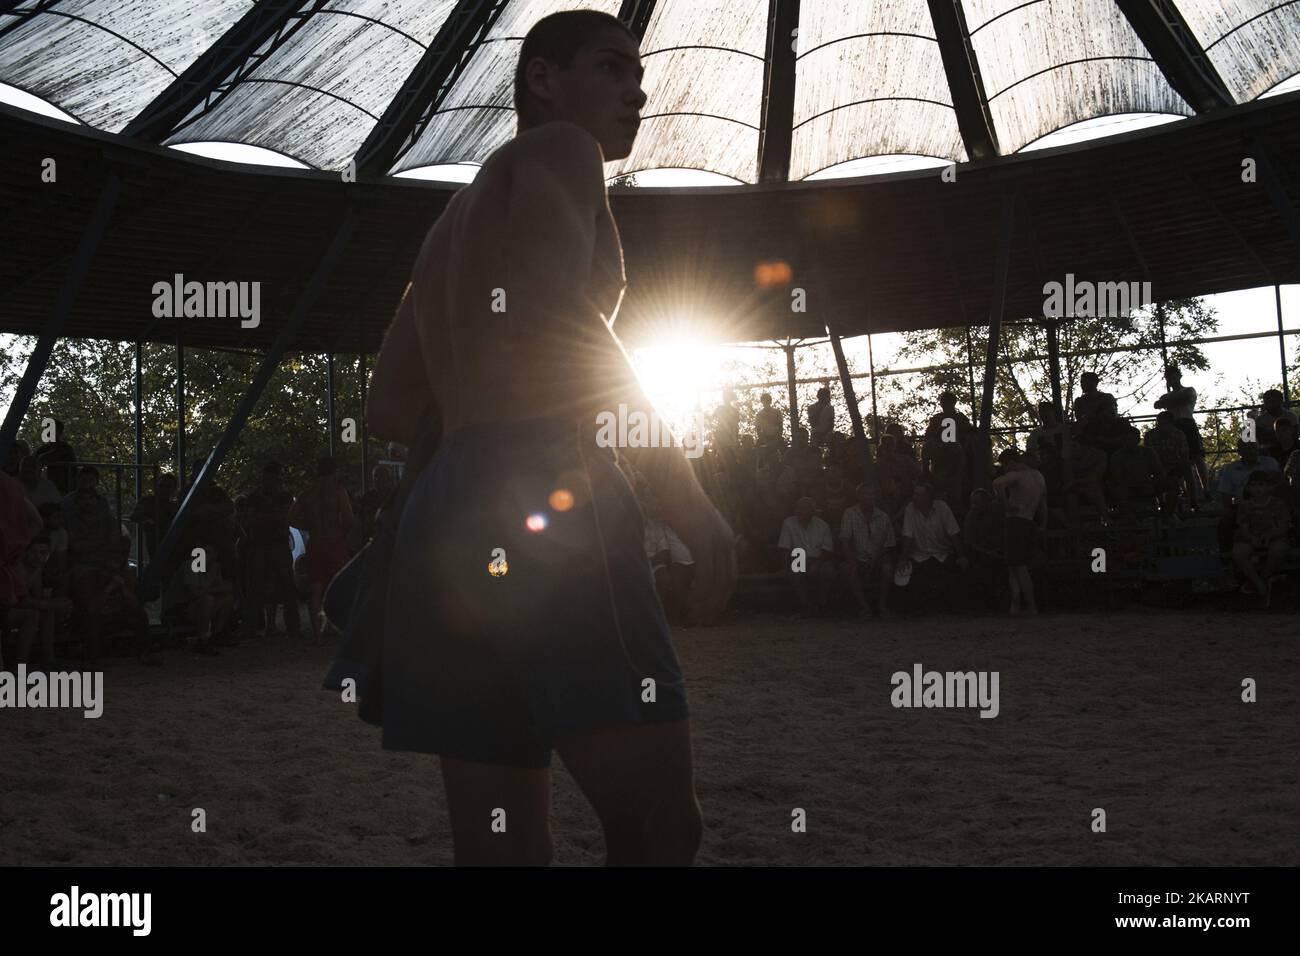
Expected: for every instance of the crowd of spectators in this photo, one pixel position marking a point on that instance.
(923, 532)
(67, 568)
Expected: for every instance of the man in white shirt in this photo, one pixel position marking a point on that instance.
(1181, 400)
(932, 542)
(809, 555)
(867, 537)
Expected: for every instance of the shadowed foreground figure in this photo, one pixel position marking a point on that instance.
(521, 612)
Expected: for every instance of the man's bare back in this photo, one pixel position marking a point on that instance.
(506, 317)
(1023, 491)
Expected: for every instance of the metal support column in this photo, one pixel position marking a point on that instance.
(970, 373)
(875, 412)
(40, 357)
(365, 439)
(180, 410)
(790, 386)
(1054, 366)
(139, 420)
(1281, 344)
(329, 398)
(851, 400)
(996, 308)
(1164, 345)
(324, 267)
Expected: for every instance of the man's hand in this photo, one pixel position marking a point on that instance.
(713, 546)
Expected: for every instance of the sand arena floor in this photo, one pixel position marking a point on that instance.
(1139, 714)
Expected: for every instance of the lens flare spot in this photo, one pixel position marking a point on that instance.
(561, 499)
(498, 568)
(772, 274)
(535, 522)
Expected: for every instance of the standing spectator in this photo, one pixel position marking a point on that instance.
(726, 430)
(59, 460)
(867, 536)
(40, 609)
(1181, 401)
(769, 423)
(154, 513)
(1024, 501)
(324, 511)
(270, 555)
(19, 523)
(944, 453)
(1095, 411)
(805, 530)
(1050, 429)
(983, 534)
(896, 475)
(1169, 443)
(821, 419)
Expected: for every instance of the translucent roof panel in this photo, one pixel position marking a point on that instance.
(1048, 63)
(103, 61)
(477, 114)
(1251, 43)
(704, 80)
(319, 94)
(869, 81)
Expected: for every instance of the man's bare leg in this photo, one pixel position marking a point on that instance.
(641, 783)
(476, 791)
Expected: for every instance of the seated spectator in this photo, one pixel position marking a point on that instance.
(59, 459)
(670, 560)
(769, 423)
(1263, 522)
(1169, 443)
(1284, 443)
(40, 490)
(1086, 485)
(945, 464)
(1266, 418)
(200, 593)
(932, 544)
(87, 480)
(1134, 475)
(40, 610)
(806, 531)
(835, 496)
(1231, 487)
(896, 474)
(1050, 429)
(867, 536)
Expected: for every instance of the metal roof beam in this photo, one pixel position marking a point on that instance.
(1172, 45)
(777, 133)
(411, 109)
(218, 66)
(636, 14)
(959, 63)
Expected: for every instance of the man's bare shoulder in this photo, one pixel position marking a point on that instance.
(564, 148)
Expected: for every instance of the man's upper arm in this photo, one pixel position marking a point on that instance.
(399, 391)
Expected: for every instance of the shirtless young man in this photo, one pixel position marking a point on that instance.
(506, 329)
(1024, 497)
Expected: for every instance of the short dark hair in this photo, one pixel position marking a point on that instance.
(558, 38)
(1010, 455)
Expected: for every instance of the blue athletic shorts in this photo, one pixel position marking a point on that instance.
(521, 605)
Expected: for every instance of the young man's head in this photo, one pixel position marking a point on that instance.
(1088, 382)
(804, 509)
(166, 486)
(584, 67)
(1272, 400)
(823, 394)
(923, 496)
(866, 498)
(1047, 413)
(1173, 376)
(948, 402)
(1011, 459)
(766, 399)
(88, 478)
